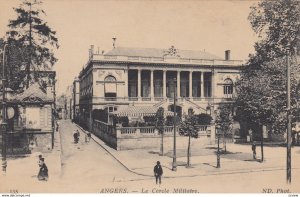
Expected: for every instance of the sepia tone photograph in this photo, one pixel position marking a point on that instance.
(149, 96)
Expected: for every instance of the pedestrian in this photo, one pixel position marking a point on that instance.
(76, 137)
(254, 150)
(78, 134)
(88, 137)
(43, 173)
(158, 171)
(40, 160)
(57, 126)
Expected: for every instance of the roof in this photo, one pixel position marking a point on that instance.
(139, 111)
(32, 93)
(152, 52)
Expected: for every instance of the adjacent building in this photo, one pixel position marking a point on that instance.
(76, 97)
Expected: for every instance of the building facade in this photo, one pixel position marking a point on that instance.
(126, 77)
(76, 96)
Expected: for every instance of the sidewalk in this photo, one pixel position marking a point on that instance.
(22, 170)
(237, 160)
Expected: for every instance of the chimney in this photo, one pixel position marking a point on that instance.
(114, 42)
(227, 55)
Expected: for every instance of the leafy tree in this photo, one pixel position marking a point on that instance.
(188, 128)
(261, 90)
(224, 120)
(160, 126)
(277, 23)
(203, 119)
(14, 58)
(35, 37)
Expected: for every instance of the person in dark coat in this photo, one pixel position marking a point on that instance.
(43, 173)
(40, 160)
(158, 171)
(254, 150)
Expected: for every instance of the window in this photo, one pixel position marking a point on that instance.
(228, 87)
(33, 117)
(110, 87)
(110, 78)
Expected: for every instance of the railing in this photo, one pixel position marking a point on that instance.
(161, 99)
(167, 60)
(168, 130)
(146, 99)
(128, 130)
(158, 98)
(103, 127)
(228, 96)
(203, 129)
(147, 130)
(133, 98)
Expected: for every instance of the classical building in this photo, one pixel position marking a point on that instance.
(126, 77)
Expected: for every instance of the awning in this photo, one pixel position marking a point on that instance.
(110, 88)
(135, 111)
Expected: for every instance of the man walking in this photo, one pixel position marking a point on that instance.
(158, 171)
(254, 150)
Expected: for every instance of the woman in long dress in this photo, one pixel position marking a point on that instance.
(43, 173)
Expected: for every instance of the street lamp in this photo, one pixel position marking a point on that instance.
(174, 164)
(289, 126)
(218, 151)
(4, 123)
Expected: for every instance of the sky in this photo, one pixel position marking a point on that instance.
(213, 26)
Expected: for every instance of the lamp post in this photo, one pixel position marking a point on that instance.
(4, 123)
(218, 151)
(174, 164)
(289, 126)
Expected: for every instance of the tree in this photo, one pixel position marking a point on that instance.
(35, 37)
(14, 59)
(203, 119)
(188, 128)
(160, 126)
(224, 120)
(277, 23)
(262, 88)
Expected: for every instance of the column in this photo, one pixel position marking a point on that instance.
(125, 83)
(152, 85)
(191, 85)
(139, 84)
(178, 84)
(202, 84)
(164, 83)
(213, 85)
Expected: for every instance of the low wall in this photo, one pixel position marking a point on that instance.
(105, 132)
(153, 142)
(126, 138)
(148, 137)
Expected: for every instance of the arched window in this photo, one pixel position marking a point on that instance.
(110, 78)
(228, 87)
(110, 87)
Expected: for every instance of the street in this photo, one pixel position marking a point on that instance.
(88, 167)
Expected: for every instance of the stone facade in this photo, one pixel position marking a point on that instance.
(125, 77)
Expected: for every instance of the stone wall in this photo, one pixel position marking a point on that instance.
(153, 142)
